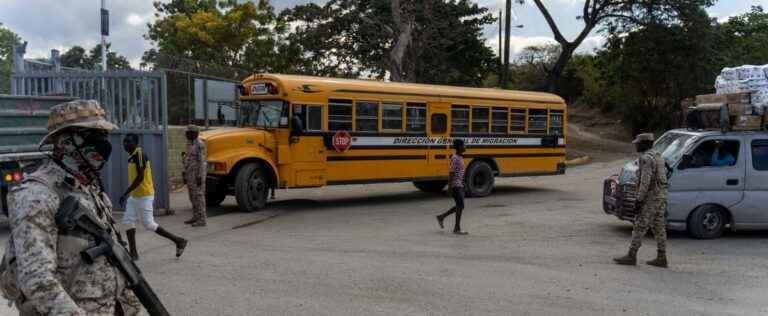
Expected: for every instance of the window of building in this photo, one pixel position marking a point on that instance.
(416, 118)
(517, 120)
(537, 121)
(760, 154)
(499, 121)
(367, 116)
(480, 120)
(460, 119)
(339, 115)
(439, 123)
(392, 118)
(556, 122)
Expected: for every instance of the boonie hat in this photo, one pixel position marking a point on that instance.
(643, 137)
(78, 113)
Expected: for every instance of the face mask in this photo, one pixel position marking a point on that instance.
(83, 151)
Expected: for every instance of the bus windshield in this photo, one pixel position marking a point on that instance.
(264, 114)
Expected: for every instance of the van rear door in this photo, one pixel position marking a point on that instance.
(751, 212)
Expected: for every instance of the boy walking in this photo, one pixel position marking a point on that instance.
(139, 198)
(456, 187)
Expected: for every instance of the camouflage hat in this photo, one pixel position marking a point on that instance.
(193, 128)
(78, 113)
(643, 137)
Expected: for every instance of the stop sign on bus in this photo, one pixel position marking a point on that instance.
(342, 140)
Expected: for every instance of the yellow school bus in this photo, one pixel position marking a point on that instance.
(303, 132)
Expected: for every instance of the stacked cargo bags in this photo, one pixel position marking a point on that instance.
(741, 101)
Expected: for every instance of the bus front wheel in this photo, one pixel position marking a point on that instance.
(479, 179)
(251, 188)
(436, 186)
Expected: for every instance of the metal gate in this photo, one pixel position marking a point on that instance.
(136, 101)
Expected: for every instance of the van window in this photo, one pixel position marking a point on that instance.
(760, 154)
(715, 153)
(339, 115)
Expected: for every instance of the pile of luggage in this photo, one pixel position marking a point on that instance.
(740, 101)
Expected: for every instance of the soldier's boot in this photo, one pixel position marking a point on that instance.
(660, 261)
(191, 220)
(181, 243)
(131, 234)
(629, 260)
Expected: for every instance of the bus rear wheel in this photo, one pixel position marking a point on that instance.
(436, 186)
(251, 187)
(479, 179)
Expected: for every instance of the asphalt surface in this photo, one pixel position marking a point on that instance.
(537, 246)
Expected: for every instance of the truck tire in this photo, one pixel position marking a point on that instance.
(251, 187)
(435, 186)
(479, 179)
(214, 195)
(707, 222)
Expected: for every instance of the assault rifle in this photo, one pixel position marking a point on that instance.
(71, 216)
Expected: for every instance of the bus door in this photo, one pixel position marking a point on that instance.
(438, 131)
(305, 151)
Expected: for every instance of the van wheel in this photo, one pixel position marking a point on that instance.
(251, 188)
(479, 179)
(436, 186)
(707, 222)
(214, 196)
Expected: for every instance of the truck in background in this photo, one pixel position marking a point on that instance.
(23, 121)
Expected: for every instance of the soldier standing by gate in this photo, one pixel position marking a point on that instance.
(42, 271)
(652, 202)
(195, 171)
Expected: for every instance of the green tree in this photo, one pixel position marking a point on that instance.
(430, 41)
(7, 40)
(617, 16)
(744, 38)
(227, 33)
(77, 57)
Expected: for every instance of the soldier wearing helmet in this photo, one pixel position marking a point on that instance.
(652, 202)
(42, 272)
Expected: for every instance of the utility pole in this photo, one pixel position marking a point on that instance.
(104, 34)
(501, 48)
(505, 68)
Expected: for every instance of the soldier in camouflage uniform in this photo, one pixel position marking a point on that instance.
(652, 202)
(42, 272)
(195, 171)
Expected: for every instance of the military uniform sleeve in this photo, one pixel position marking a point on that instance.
(202, 163)
(33, 229)
(644, 179)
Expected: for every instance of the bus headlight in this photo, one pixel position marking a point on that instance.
(214, 166)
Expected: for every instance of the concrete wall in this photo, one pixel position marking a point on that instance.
(177, 143)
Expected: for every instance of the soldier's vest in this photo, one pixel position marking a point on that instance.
(659, 177)
(69, 246)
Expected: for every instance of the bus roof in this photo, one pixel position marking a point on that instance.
(297, 83)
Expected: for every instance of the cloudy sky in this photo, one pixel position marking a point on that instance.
(60, 24)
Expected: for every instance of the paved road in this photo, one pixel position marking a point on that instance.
(538, 246)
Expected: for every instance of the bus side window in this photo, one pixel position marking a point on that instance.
(367, 116)
(556, 122)
(339, 115)
(460, 119)
(499, 120)
(439, 123)
(537, 121)
(392, 118)
(314, 118)
(416, 118)
(517, 120)
(480, 119)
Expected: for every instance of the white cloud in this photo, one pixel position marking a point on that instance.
(134, 19)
